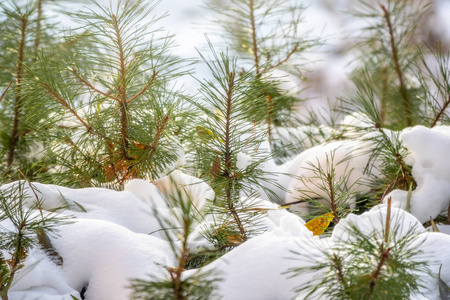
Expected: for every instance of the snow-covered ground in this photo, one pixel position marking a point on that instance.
(113, 236)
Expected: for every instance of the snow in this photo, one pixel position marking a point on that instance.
(41, 277)
(430, 164)
(349, 159)
(103, 253)
(115, 236)
(105, 256)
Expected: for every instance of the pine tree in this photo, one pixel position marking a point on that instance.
(116, 97)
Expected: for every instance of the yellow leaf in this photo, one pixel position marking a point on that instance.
(319, 224)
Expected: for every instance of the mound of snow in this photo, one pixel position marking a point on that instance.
(430, 162)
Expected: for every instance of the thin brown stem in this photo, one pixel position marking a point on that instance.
(37, 39)
(89, 85)
(333, 206)
(440, 112)
(64, 103)
(146, 87)
(376, 274)
(159, 130)
(388, 221)
(15, 136)
(269, 116)
(281, 62)
(229, 174)
(398, 69)
(340, 273)
(176, 277)
(122, 88)
(4, 93)
(251, 5)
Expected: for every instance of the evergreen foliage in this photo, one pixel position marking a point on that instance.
(229, 154)
(389, 54)
(29, 228)
(100, 105)
(199, 284)
(25, 32)
(118, 95)
(376, 265)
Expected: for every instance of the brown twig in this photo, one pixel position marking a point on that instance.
(228, 155)
(333, 206)
(403, 90)
(64, 103)
(251, 5)
(122, 88)
(388, 220)
(376, 274)
(37, 39)
(159, 130)
(340, 273)
(4, 93)
(282, 61)
(18, 99)
(89, 85)
(440, 113)
(146, 87)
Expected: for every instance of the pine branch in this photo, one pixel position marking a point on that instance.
(37, 38)
(333, 204)
(281, 62)
(384, 256)
(122, 88)
(159, 130)
(4, 93)
(62, 101)
(18, 99)
(398, 69)
(89, 85)
(146, 87)
(388, 221)
(337, 264)
(440, 113)
(228, 155)
(254, 39)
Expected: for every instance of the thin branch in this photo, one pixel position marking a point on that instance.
(288, 56)
(254, 40)
(270, 107)
(64, 103)
(376, 274)
(37, 39)
(146, 87)
(18, 100)
(89, 85)
(403, 90)
(440, 113)
(228, 155)
(388, 221)
(159, 131)
(4, 93)
(340, 273)
(122, 88)
(330, 181)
